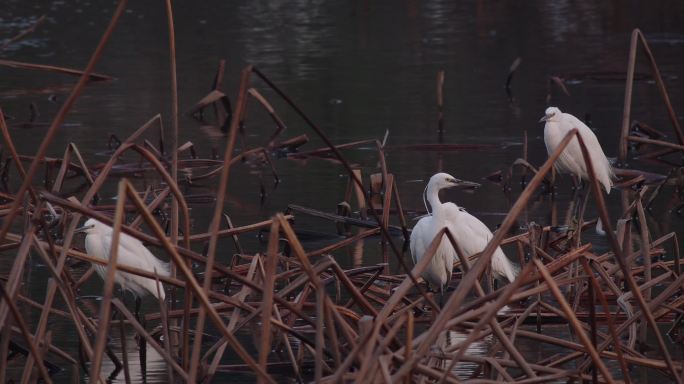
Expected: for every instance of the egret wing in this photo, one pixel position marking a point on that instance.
(604, 171)
(419, 241)
(470, 233)
(569, 160)
(133, 253)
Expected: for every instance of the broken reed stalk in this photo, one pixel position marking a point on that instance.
(108, 291)
(92, 76)
(391, 302)
(320, 300)
(489, 317)
(174, 165)
(352, 175)
(192, 282)
(638, 36)
(25, 333)
(627, 109)
(593, 282)
(267, 301)
(619, 256)
(440, 105)
(573, 321)
(216, 220)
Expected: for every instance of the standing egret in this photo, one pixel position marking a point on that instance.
(132, 253)
(558, 124)
(470, 234)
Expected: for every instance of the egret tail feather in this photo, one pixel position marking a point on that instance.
(503, 267)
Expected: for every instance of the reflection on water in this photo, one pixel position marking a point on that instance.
(446, 343)
(359, 69)
(156, 367)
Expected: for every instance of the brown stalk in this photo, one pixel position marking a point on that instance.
(25, 333)
(148, 338)
(236, 316)
(343, 243)
(13, 282)
(368, 362)
(619, 256)
(629, 83)
(407, 283)
(194, 285)
(611, 324)
(67, 294)
(274, 116)
(90, 76)
(636, 360)
(174, 163)
(573, 320)
(301, 255)
(216, 219)
(234, 231)
(108, 291)
(627, 109)
(164, 322)
(489, 317)
(329, 307)
(350, 171)
(267, 301)
(661, 143)
(124, 352)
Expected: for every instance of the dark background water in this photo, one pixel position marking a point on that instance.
(359, 69)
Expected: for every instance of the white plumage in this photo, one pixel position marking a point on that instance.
(470, 234)
(558, 124)
(132, 253)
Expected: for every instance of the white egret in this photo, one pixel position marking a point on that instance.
(558, 124)
(470, 234)
(132, 253)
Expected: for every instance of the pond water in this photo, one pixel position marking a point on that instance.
(359, 69)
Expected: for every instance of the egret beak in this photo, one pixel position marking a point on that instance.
(543, 119)
(466, 184)
(83, 228)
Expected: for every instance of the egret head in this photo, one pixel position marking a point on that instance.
(552, 114)
(444, 180)
(89, 226)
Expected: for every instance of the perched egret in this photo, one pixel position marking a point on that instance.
(558, 124)
(469, 232)
(132, 253)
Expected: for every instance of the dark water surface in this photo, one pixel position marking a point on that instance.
(359, 69)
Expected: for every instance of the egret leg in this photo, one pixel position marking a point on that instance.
(579, 206)
(441, 297)
(137, 308)
(115, 313)
(571, 213)
(115, 310)
(490, 279)
(576, 182)
(573, 227)
(580, 216)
